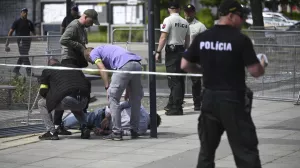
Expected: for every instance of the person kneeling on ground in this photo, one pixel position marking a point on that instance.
(100, 120)
(63, 90)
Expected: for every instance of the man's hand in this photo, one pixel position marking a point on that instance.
(157, 56)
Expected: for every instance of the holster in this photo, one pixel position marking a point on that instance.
(174, 48)
(248, 100)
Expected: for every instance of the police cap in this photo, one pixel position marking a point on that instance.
(189, 8)
(232, 6)
(173, 5)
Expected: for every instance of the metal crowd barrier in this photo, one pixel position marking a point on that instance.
(281, 81)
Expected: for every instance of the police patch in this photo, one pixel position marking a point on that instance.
(163, 26)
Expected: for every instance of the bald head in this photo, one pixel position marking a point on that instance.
(52, 61)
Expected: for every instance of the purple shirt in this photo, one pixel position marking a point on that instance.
(112, 56)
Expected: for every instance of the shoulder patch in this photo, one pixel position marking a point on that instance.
(163, 26)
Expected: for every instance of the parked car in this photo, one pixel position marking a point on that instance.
(280, 16)
(271, 21)
(295, 27)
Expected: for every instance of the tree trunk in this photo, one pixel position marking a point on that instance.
(256, 9)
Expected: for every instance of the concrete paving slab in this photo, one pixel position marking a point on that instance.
(89, 155)
(111, 149)
(21, 159)
(62, 162)
(9, 165)
(111, 164)
(176, 147)
(128, 157)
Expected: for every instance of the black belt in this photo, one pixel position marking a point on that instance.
(174, 48)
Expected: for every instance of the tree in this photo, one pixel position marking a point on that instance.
(256, 8)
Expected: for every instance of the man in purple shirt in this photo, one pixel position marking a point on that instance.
(113, 57)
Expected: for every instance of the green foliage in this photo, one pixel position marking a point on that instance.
(293, 15)
(206, 17)
(21, 93)
(100, 36)
(21, 88)
(124, 35)
(213, 3)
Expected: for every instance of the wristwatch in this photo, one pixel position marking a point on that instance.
(158, 52)
(106, 87)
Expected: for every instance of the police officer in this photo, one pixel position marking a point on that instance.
(22, 27)
(223, 52)
(196, 27)
(67, 20)
(175, 34)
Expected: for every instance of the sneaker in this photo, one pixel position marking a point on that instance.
(49, 136)
(134, 135)
(173, 112)
(62, 131)
(114, 136)
(85, 133)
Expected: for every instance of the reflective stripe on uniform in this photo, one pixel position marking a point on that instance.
(98, 60)
(43, 86)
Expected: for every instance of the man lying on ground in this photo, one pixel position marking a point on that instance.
(100, 120)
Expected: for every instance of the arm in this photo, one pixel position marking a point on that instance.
(254, 66)
(11, 31)
(67, 39)
(32, 29)
(191, 59)
(103, 74)
(162, 41)
(63, 26)
(44, 81)
(190, 67)
(187, 41)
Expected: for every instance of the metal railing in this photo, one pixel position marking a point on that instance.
(281, 81)
(282, 49)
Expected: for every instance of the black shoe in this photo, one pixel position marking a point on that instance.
(134, 135)
(197, 108)
(168, 107)
(49, 136)
(62, 131)
(173, 111)
(85, 133)
(114, 136)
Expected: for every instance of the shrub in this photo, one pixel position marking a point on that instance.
(206, 17)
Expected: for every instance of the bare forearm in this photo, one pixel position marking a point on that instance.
(9, 34)
(104, 76)
(193, 68)
(161, 44)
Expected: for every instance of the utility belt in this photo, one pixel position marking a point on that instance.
(174, 48)
(247, 94)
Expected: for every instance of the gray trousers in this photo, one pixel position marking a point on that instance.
(68, 103)
(119, 82)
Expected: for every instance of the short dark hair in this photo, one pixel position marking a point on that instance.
(158, 121)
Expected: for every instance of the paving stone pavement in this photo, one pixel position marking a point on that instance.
(177, 145)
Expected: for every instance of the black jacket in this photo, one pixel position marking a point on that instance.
(57, 84)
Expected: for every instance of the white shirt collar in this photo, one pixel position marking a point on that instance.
(177, 14)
